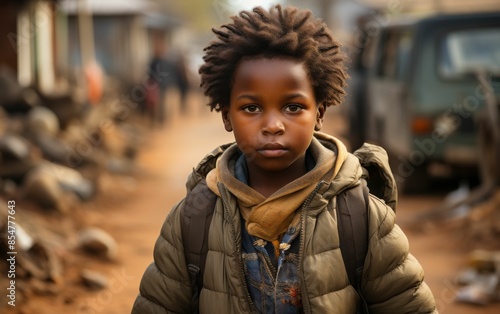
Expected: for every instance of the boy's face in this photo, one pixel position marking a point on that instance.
(272, 112)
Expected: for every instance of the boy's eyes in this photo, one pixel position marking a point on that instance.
(291, 108)
(251, 109)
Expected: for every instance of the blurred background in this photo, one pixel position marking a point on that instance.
(102, 119)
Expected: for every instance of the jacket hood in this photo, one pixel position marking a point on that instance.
(348, 169)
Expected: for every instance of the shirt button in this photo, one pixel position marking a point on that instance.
(291, 230)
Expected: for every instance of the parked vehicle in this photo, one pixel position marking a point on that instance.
(423, 97)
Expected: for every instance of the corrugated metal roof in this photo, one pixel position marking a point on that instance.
(110, 7)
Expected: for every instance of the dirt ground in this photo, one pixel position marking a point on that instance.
(134, 209)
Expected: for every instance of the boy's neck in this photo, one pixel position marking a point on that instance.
(268, 182)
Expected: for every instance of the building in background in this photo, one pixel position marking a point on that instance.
(29, 43)
(41, 40)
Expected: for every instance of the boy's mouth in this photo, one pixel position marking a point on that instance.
(272, 150)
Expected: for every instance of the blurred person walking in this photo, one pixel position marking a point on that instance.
(165, 71)
(181, 78)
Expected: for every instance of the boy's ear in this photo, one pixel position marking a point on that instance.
(225, 119)
(320, 114)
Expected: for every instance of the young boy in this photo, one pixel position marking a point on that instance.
(273, 242)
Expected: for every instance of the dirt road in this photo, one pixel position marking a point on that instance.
(134, 215)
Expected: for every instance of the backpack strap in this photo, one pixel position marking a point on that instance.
(352, 223)
(195, 225)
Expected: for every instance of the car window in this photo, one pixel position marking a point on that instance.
(395, 54)
(466, 51)
(368, 54)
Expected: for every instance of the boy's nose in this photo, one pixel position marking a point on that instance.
(273, 125)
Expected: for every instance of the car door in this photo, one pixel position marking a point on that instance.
(388, 91)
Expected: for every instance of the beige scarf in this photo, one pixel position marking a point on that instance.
(268, 218)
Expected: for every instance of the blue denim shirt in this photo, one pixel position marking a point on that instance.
(273, 283)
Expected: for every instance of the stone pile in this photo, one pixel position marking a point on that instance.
(55, 153)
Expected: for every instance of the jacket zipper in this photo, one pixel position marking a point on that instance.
(305, 301)
(238, 257)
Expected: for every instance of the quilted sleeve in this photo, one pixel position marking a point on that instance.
(165, 286)
(393, 280)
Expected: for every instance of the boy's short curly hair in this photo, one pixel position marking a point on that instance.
(280, 32)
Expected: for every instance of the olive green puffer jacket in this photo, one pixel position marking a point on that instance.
(392, 279)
